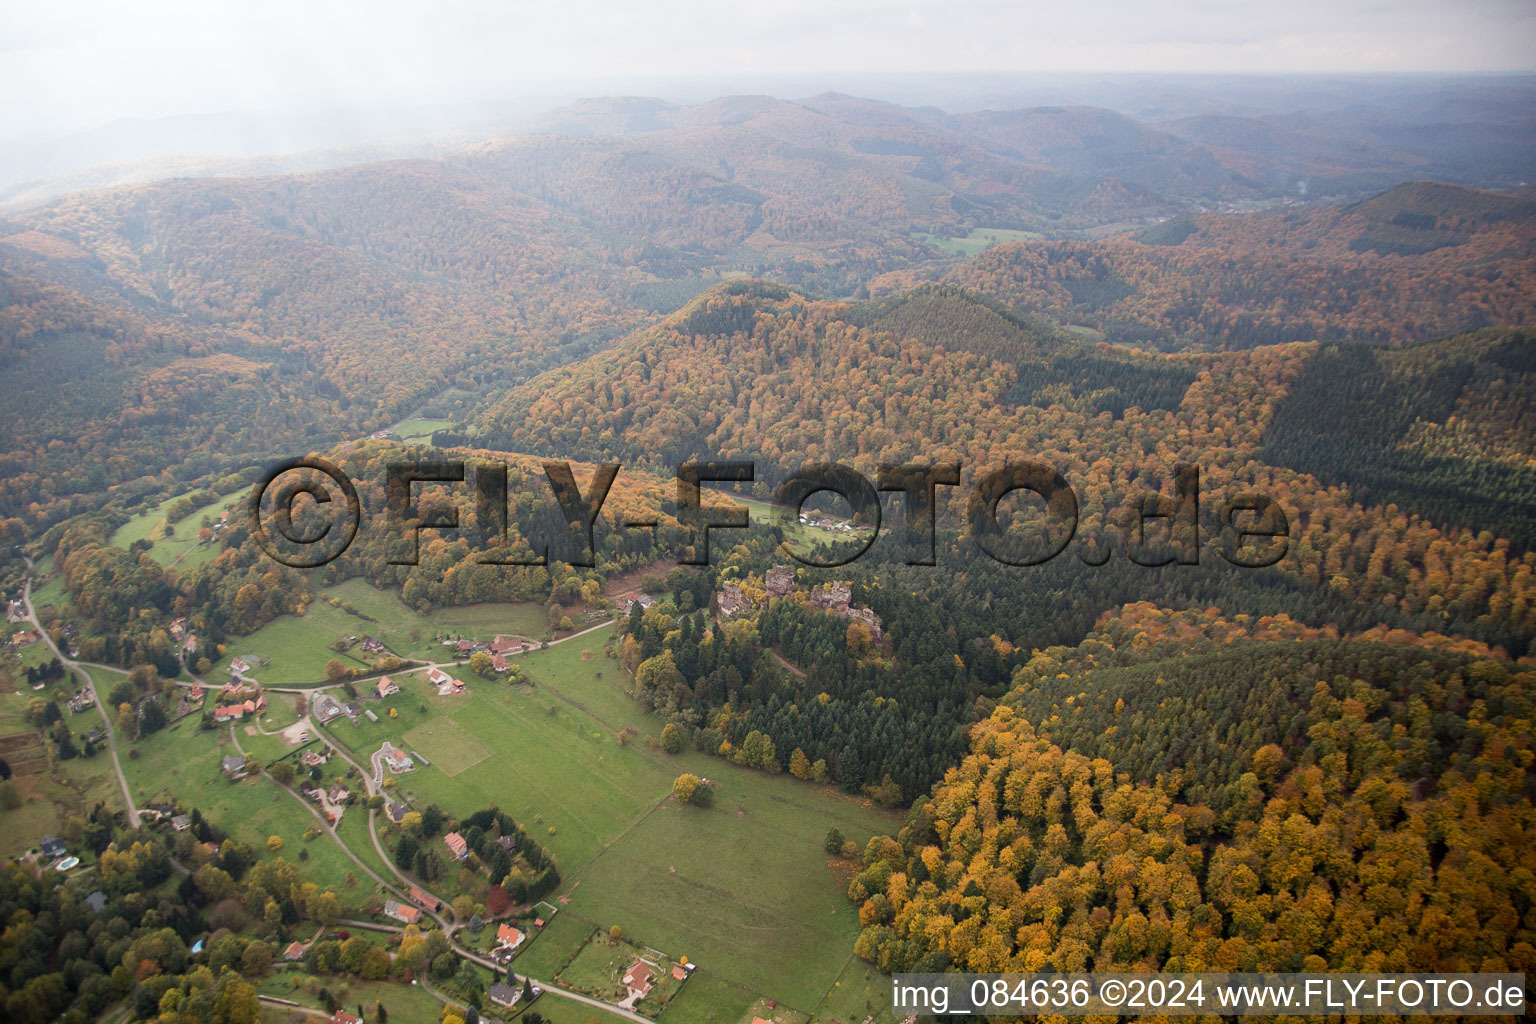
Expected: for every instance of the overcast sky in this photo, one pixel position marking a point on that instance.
(72, 64)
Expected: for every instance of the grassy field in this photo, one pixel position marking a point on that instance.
(484, 621)
(553, 947)
(860, 991)
(55, 791)
(180, 547)
(299, 647)
(978, 240)
(419, 429)
(709, 999)
(50, 594)
(408, 1003)
(557, 1010)
(448, 747)
(800, 538)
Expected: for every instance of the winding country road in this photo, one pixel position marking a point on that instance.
(72, 665)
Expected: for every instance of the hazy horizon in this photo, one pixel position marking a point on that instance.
(82, 64)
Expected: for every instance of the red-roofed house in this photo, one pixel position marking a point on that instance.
(386, 687)
(456, 845)
(509, 937)
(640, 978)
(401, 912)
(295, 951)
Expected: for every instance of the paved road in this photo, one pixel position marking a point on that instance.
(71, 664)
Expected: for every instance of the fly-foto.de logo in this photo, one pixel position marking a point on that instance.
(306, 512)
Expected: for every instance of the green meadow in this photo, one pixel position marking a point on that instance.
(51, 789)
(419, 429)
(176, 543)
(978, 240)
(742, 889)
(298, 647)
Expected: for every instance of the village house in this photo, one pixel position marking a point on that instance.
(229, 713)
(639, 979)
(395, 809)
(456, 845)
(503, 995)
(400, 912)
(181, 822)
(179, 628)
(508, 937)
(372, 645)
(295, 951)
(233, 766)
(344, 1017)
(325, 708)
(311, 759)
(196, 692)
(445, 683)
(339, 794)
(399, 761)
(81, 701)
(26, 637)
(189, 645)
(628, 601)
(52, 847)
(424, 899)
(499, 663)
(386, 687)
(508, 645)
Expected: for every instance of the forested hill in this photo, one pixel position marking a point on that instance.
(755, 371)
(1183, 793)
(1418, 262)
(1445, 428)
